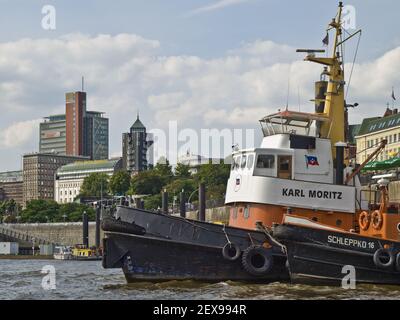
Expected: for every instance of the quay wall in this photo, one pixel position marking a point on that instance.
(68, 233)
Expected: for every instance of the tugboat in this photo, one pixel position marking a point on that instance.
(151, 246)
(296, 171)
(318, 254)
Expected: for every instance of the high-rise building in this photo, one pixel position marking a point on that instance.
(78, 132)
(95, 136)
(52, 135)
(75, 112)
(39, 171)
(135, 144)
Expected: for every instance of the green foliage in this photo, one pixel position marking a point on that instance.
(176, 186)
(120, 183)
(152, 182)
(95, 185)
(72, 212)
(147, 182)
(213, 174)
(9, 207)
(164, 170)
(182, 171)
(153, 202)
(42, 211)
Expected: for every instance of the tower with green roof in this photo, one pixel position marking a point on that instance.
(135, 144)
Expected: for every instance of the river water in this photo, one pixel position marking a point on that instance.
(22, 279)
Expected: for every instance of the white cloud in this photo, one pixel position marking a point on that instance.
(126, 73)
(19, 134)
(216, 6)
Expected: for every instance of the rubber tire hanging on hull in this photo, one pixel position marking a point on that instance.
(226, 251)
(257, 260)
(377, 258)
(398, 262)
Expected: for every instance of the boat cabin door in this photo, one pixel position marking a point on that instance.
(285, 167)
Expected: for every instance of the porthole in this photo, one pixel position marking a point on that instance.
(338, 222)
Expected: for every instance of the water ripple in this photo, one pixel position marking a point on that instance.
(88, 280)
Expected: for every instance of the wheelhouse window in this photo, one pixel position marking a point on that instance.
(244, 160)
(265, 161)
(250, 161)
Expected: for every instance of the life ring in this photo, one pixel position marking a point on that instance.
(257, 260)
(398, 262)
(377, 220)
(231, 251)
(384, 253)
(364, 220)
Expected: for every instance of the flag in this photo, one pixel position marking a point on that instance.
(393, 96)
(325, 41)
(311, 161)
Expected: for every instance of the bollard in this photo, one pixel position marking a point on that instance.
(202, 202)
(98, 217)
(85, 227)
(182, 205)
(165, 202)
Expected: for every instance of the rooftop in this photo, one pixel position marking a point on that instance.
(371, 125)
(11, 176)
(138, 124)
(89, 165)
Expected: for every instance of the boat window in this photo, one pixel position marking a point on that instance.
(265, 161)
(250, 161)
(244, 160)
(235, 163)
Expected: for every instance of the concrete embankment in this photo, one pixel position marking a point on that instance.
(25, 257)
(70, 233)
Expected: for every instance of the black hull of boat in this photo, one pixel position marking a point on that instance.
(145, 258)
(318, 257)
(156, 247)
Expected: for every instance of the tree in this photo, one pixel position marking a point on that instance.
(153, 202)
(40, 211)
(147, 182)
(164, 170)
(213, 174)
(72, 212)
(182, 171)
(95, 185)
(120, 183)
(176, 187)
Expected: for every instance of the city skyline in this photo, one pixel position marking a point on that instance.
(210, 64)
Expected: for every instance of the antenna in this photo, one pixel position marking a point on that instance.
(288, 89)
(83, 84)
(298, 96)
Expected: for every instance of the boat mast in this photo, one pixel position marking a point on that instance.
(334, 99)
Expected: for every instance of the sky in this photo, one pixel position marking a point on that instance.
(220, 64)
